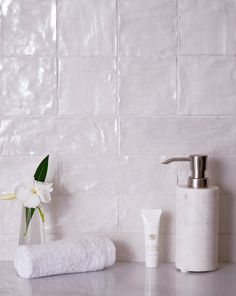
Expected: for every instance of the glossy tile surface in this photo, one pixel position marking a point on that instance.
(183, 135)
(148, 28)
(123, 279)
(214, 34)
(113, 174)
(28, 86)
(207, 85)
(28, 27)
(67, 135)
(147, 86)
(110, 88)
(91, 78)
(227, 217)
(80, 214)
(87, 27)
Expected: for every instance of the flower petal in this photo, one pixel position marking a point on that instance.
(44, 195)
(50, 188)
(43, 185)
(32, 202)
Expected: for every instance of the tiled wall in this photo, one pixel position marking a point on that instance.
(108, 88)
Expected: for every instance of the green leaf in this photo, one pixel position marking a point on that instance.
(41, 214)
(29, 214)
(41, 172)
(40, 175)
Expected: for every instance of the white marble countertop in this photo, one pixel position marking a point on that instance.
(123, 279)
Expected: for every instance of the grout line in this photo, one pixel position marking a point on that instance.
(118, 214)
(131, 117)
(118, 98)
(57, 62)
(180, 116)
(97, 117)
(53, 56)
(86, 56)
(106, 154)
(58, 174)
(162, 196)
(118, 74)
(27, 56)
(155, 56)
(208, 55)
(2, 32)
(177, 174)
(118, 135)
(177, 62)
(174, 116)
(60, 116)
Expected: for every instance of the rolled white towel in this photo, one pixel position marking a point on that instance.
(64, 256)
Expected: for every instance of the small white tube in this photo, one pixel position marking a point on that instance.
(151, 222)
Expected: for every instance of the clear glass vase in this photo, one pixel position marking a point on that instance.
(35, 233)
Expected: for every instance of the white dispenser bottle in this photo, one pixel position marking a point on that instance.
(196, 219)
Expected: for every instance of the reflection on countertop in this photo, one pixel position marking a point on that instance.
(123, 279)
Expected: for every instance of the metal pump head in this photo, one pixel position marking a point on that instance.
(198, 166)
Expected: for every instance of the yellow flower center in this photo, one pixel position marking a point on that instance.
(33, 190)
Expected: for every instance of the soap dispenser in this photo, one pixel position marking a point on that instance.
(197, 219)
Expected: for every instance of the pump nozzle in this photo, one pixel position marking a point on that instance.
(198, 164)
(176, 159)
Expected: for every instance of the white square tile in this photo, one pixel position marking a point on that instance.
(183, 135)
(82, 213)
(87, 86)
(227, 210)
(144, 175)
(207, 26)
(11, 216)
(8, 243)
(147, 86)
(87, 27)
(21, 136)
(40, 136)
(148, 27)
(86, 135)
(28, 86)
(114, 175)
(221, 172)
(29, 27)
(1, 36)
(91, 174)
(207, 85)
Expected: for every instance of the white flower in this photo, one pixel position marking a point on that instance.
(31, 194)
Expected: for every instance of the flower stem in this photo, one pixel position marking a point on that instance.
(41, 214)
